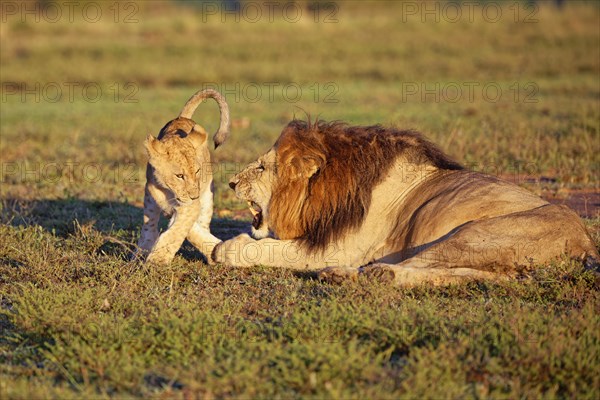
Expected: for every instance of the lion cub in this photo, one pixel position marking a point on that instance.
(179, 184)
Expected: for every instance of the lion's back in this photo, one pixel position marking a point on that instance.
(450, 199)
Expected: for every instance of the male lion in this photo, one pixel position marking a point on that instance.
(393, 204)
(179, 183)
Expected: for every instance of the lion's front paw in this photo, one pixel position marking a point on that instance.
(378, 272)
(337, 275)
(241, 251)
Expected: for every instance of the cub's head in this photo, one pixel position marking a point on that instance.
(179, 159)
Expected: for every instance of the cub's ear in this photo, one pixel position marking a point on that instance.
(153, 146)
(198, 136)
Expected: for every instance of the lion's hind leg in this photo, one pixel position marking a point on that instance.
(407, 276)
(337, 275)
(493, 249)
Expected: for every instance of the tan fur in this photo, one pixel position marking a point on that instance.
(179, 184)
(390, 205)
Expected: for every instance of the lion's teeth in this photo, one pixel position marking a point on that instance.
(252, 210)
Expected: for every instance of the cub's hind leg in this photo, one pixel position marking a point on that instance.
(199, 234)
(149, 233)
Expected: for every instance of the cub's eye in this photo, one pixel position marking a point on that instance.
(180, 176)
(197, 172)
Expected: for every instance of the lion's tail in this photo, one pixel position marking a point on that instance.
(188, 110)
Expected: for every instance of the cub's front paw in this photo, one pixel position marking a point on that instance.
(159, 257)
(241, 251)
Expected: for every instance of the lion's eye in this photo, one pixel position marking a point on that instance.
(180, 176)
(261, 168)
(197, 172)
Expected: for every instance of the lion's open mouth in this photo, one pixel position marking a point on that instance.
(256, 211)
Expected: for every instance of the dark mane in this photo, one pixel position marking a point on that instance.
(345, 164)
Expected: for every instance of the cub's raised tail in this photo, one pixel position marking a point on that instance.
(188, 110)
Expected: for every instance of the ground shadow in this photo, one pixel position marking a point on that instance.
(63, 217)
(120, 222)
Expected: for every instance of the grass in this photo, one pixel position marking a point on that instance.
(79, 320)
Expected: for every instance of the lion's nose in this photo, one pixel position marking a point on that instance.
(233, 182)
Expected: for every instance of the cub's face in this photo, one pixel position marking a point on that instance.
(177, 166)
(254, 184)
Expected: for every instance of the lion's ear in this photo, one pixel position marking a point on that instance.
(303, 168)
(312, 168)
(198, 136)
(153, 146)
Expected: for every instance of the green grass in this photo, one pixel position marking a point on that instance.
(79, 320)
